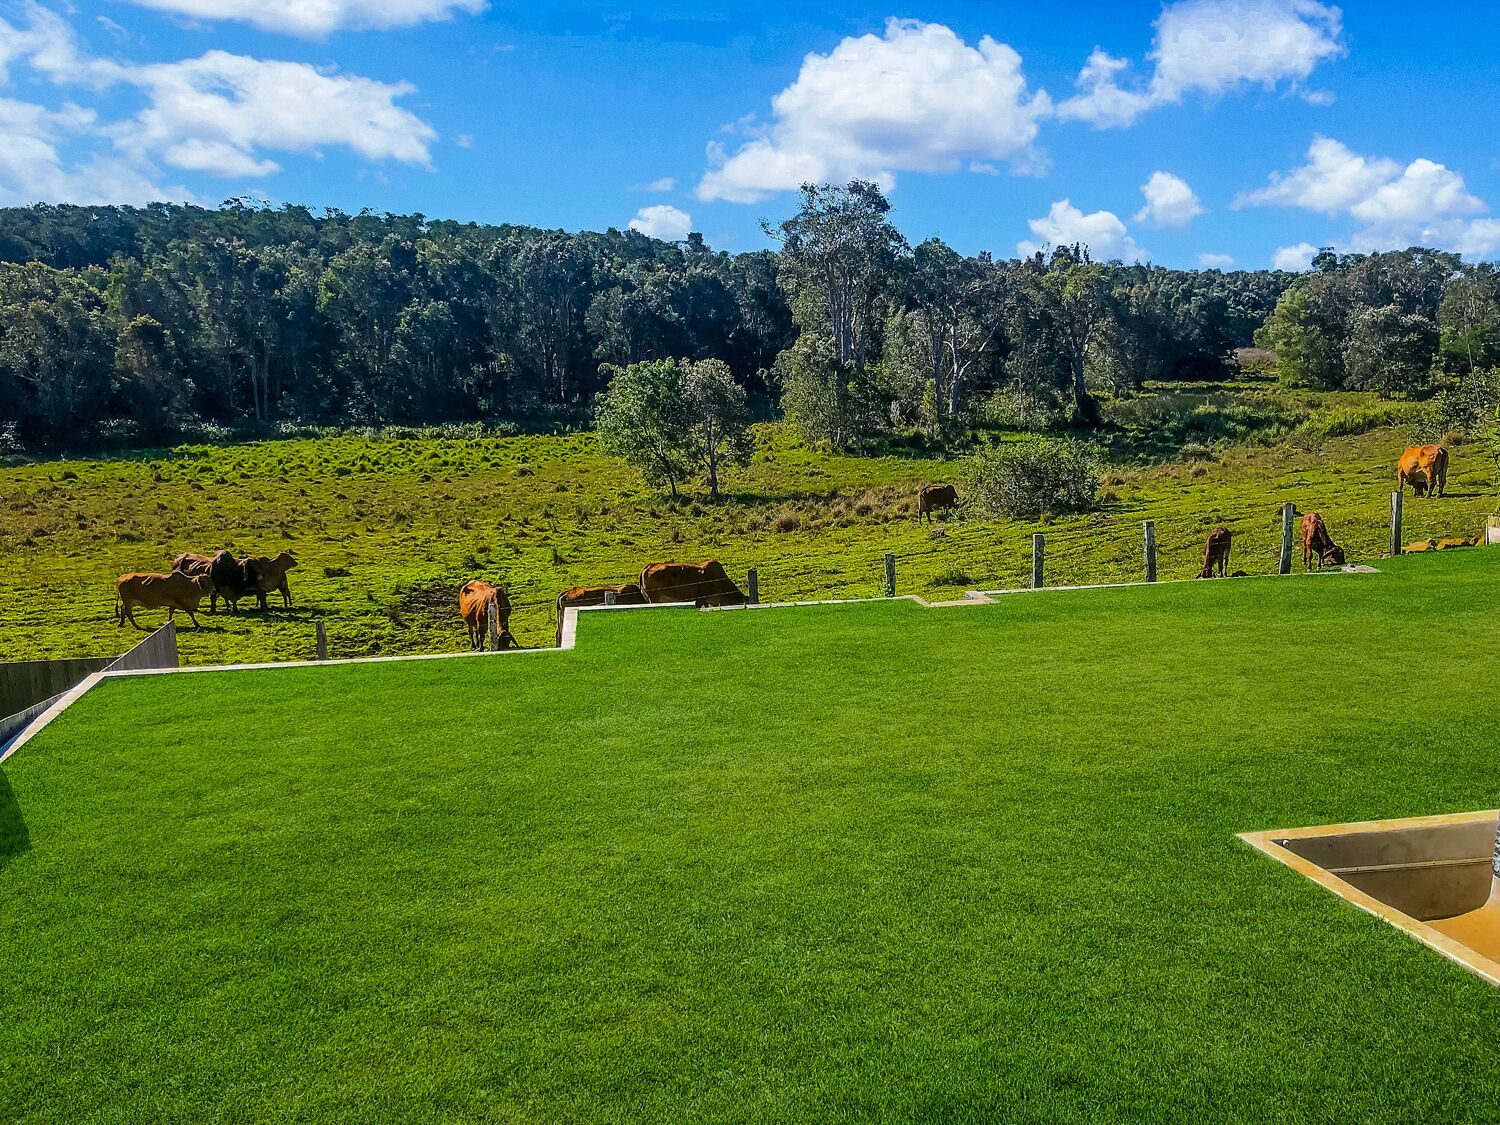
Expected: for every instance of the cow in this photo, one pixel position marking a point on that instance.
(1425, 468)
(703, 585)
(192, 565)
(270, 576)
(629, 594)
(1216, 552)
(231, 580)
(474, 602)
(159, 591)
(934, 497)
(1317, 543)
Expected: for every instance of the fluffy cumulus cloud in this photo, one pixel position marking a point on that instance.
(1063, 225)
(1210, 47)
(915, 98)
(1420, 203)
(663, 221)
(1215, 261)
(1170, 202)
(1296, 258)
(313, 18)
(219, 114)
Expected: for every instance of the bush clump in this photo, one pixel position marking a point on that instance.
(1036, 477)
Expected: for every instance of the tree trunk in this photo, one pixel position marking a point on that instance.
(1085, 408)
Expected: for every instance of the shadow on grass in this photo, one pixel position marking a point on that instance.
(14, 838)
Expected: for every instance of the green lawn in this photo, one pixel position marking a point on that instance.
(868, 862)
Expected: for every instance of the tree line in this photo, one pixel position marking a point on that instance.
(134, 326)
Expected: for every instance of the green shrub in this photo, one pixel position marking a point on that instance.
(1035, 477)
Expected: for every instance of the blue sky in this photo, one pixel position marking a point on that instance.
(1195, 131)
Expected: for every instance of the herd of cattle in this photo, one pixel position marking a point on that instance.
(193, 577)
(222, 575)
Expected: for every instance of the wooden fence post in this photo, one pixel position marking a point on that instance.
(1288, 513)
(890, 575)
(322, 640)
(1038, 551)
(1396, 545)
(1149, 527)
(754, 584)
(493, 616)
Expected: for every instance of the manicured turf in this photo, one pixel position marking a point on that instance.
(869, 862)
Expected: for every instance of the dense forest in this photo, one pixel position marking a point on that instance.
(124, 326)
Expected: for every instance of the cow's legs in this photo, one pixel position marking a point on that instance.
(193, 617)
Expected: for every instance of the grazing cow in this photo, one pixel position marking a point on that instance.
(708, 584)
(474, 602)
(231, 580)
(1425, 468)
(629, 594)
(934, 497)
(1216, 552)
(159, 591)
(270, 576)
(1316, 542)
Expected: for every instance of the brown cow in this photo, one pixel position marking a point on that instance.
(1216, 552)
(474, 602)
(1425, 468)
(629, 594)
(706, 584)
(192, 565)
(270, 576)
(934, 497)
(1316, 542)
(159, 591)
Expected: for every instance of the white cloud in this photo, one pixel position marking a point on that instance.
(32, 168)
(1170, 202)
(1102, 232)
(214, 113)
(1215, 261)
(313, 18)
(1423, 203)
(656, 187)
(663, 221)
(220, 113)
(917, 98)
(1333, 180)
(1296, 258)
(1211, 47)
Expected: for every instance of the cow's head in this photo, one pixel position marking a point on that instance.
(285, 559)
(1334, 555)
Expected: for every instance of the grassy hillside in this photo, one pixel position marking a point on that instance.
(849, 863)
(412, 519)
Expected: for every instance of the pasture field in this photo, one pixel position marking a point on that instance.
(412, 519)
(863, 862)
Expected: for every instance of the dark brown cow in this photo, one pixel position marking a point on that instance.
(232, 580)
(170, 592)
(474, 602)
(702, 584)
(270, 576)
(1216, 552)
(1317, 543)
(1425, 468)
(629, 594)
(934, 497)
